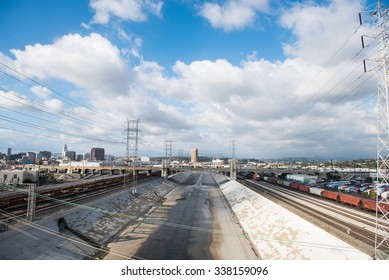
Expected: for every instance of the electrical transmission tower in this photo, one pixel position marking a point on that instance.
(169, 150)
(132, 140)
(380, 20)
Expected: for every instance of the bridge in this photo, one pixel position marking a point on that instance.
(172, 169)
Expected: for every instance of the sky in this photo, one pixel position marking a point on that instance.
(276, 78)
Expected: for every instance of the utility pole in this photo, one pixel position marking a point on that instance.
(379, 18)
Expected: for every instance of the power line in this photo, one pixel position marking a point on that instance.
(66, 99)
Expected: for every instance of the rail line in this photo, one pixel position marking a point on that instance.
(323, 214)
(344, 210)
(50, 200)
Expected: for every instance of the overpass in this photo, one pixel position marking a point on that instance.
(172, 169)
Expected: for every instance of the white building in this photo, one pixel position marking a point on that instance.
(18, 176)
(302, 178)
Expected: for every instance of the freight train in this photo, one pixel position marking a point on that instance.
(349, 199)
(18, 199)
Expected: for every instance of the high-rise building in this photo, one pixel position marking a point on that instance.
(64, 150)
(9, 152)
(31, 157)
(46, 154)
(194, 156)
(70, 155)
(97, 154)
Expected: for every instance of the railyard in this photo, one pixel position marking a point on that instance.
(191, 215)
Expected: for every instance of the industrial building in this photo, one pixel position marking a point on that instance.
(18, 176)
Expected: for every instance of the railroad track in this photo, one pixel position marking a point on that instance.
(341, 222)
(47, 204)
(365, 218)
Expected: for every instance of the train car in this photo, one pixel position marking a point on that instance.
(286, 183)
(330, 195)
(350, 199)
(384, 206)
(294, 185)
(273, 180)
(303, 188)
(315, 191)
(368, 204)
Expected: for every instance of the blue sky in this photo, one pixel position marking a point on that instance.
(281, 79)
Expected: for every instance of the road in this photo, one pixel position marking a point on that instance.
(195, 222)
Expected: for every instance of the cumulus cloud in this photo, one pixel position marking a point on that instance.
(233, 14)
(13, 100)
(54, 104)
(321, 27)
(90, 62)
(41, 91)
(133, 10)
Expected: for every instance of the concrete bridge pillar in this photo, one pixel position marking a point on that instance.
(165, 168)
(233, 171)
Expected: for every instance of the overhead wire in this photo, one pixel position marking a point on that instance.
(49, 231)
(31, 125)
(302, 124)
(48, 109)
(60, 113)
(66, 99)
(338, 118)
(323, 68)
(144, 219)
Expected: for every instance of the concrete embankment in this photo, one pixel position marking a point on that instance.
(276, 233)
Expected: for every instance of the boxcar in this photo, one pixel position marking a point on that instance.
(294, 185)
(303, 188)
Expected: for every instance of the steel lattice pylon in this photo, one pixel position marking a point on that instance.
(381, 34)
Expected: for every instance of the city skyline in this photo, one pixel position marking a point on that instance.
(283, 79)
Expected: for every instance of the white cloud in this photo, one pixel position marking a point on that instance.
(234, 14)
(54, 104)
(134, 10)
(41, 91)
(12, 100)
(324, 28)
(90, 62)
